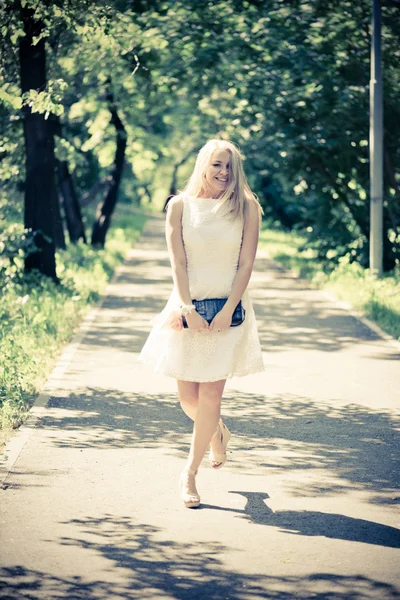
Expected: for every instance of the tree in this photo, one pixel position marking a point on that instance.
(287, 81)
(41, 204)
(106, 208)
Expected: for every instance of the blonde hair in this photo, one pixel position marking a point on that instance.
(238, 192)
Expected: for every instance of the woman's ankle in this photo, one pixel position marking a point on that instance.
(191, 468)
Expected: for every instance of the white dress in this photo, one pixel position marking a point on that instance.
(212, 244)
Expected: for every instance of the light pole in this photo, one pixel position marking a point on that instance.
(376, 147)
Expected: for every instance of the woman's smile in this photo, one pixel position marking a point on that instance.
(217, 173)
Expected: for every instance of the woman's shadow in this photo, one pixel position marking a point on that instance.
(313, 523)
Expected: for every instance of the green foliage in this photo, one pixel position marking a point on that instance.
(291, 250)
(377, 299)
(15, 244)
(37, 316)
(48, 101)
(287, 81)
(10, 96)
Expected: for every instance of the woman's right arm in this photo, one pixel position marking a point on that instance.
(177, 255)
(176, 250)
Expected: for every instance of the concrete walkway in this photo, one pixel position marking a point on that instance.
(305, 507)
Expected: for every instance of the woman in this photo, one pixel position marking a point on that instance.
(212, 233)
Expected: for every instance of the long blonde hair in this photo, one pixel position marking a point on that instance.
(237, 193)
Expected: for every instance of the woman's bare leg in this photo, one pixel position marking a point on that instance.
(188, 392)
(206, 420)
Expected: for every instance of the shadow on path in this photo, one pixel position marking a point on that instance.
(152, 567)
(271, 435)
(313, 523)
(301, 317)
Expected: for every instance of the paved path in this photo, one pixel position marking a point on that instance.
(305, 508)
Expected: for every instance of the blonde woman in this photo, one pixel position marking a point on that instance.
(207, 331)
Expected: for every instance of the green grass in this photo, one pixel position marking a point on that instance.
(38, 317)
(379, 300)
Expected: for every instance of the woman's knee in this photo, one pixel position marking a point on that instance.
(211, 392)
(189, 400)
(188, 393)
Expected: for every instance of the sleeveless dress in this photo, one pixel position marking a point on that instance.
(212, 242)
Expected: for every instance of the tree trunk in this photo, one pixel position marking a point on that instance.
(174, 179)
(89, 196)
(72, 210)
(105, 208)
(40, 186)
(59, 237)
(146, 193)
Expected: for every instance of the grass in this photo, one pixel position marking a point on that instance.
(379, 300)
(38, 317)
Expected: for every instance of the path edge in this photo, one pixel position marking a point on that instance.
(341, 304)
(346, 306)
(16, 443)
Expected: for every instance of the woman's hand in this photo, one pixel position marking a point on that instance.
(196, 322)
(175, 320)
(222, 320)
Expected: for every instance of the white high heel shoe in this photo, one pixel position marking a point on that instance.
(190, 495)
(225, 437)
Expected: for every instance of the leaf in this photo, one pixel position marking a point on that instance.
(17, 35)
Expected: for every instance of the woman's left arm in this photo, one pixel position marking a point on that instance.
(246, 260)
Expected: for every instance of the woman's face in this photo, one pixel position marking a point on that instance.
(217, 174)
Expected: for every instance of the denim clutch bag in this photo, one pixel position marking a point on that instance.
(209, 307)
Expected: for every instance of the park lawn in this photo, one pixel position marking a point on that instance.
(378, 300)
(38, 318)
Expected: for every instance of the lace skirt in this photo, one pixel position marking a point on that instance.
(204, 356)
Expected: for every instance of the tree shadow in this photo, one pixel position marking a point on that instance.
(153, 567)
(33, 474)
(111, 419)
(355, 448)
(359, 446)
(292, 314)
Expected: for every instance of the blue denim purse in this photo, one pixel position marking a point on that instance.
(209, 307)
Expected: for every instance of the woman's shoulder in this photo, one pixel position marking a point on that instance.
(175, 206)
(252, 207)
(176, 201)
(252, 213)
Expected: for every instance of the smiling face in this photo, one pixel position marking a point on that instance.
(217, 174)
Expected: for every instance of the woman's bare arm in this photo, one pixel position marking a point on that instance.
(245, 267)
(247, 255)
(177, 255)
(176, 250)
